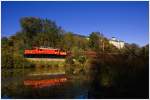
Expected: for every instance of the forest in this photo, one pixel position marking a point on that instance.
(118, 73)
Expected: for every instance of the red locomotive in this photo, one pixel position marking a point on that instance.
(44, 53)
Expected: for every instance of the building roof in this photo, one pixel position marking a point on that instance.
(116, 40)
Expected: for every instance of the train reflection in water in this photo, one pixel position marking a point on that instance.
(40, 83)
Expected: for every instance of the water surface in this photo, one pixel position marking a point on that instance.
(42, 83)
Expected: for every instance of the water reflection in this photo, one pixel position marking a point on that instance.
(44, 83)
(26, 83)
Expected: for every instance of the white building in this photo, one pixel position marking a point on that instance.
(117, 43)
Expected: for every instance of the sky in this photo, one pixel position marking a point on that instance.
(127, 21)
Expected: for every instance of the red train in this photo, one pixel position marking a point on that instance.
(44, 53)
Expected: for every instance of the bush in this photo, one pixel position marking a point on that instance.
(120, 75)
(82, 59)
(69, 60)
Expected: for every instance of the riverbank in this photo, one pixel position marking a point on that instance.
(46, 59)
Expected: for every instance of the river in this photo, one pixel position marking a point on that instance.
(42, 83)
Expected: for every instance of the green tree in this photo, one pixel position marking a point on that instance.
(68, 41)
(40, 32)
(31, 26)
(6, 53)
(96, 41)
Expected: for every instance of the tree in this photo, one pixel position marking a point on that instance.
(81, 42)
(6, 53)
(131, 49)
(40, 32)
(68, 41)
(96, 41)
(31, 26)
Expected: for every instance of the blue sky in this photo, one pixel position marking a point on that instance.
(127, 21)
